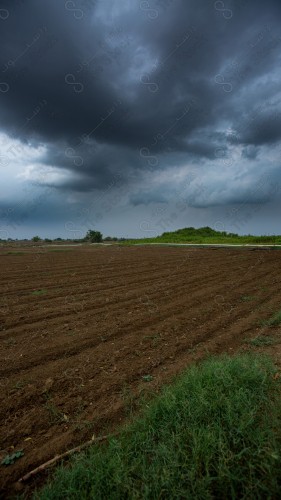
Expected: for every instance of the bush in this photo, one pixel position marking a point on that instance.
(93, 236)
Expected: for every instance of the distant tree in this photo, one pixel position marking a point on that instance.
(47, 240)
(36, 238)
(93, 236)
(110, 238)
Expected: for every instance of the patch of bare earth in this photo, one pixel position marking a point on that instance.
(80, 329)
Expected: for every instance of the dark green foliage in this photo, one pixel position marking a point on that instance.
(93, 236)
(10, 459)
(208, 235)
(110, 238)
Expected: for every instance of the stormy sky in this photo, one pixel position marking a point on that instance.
(138, 117)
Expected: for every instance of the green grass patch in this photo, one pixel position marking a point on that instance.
(275, 320)
(261, 341)
(39, 292)
(215, 433)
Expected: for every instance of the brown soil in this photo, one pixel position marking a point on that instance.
(73, 355)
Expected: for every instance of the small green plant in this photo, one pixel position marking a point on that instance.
(56, 415)
(71, 333)
(10, 459)
(247, 298)
(275, 320)
(262, 340)
(82, 425)
(147, 378)
(39, 292)
(18, 385)
(9, 342)
(155, 339)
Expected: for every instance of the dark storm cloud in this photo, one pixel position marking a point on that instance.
(250, 152)
(111, 86)
(265, 130)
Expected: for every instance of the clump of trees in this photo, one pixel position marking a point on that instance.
(92, 236)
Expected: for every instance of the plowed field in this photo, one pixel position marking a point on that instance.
(81, 327)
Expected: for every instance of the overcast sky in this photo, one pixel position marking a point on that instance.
(138, 117)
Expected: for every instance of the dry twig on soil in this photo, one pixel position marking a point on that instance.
(54, 460)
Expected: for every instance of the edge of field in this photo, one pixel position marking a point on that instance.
(214, 432)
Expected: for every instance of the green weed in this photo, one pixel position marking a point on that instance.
(39, 292)
(155, 339)
(10, 459)
(247, 298)
(10, 342)
(275, 320)
(18, 385)
(56, 416)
